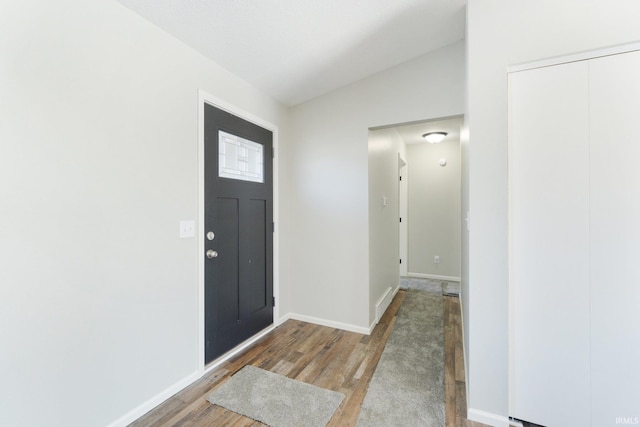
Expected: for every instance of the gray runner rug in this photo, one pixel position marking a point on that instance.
(407, 387)
(276, 400)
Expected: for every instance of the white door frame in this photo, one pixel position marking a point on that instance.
(403, 171)
(204, 97)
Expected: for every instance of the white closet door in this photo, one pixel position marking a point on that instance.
(615, 239)
(549, 245)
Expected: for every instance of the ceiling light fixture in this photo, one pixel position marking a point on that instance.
(434, 137)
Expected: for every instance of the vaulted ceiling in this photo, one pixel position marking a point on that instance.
(296, 50)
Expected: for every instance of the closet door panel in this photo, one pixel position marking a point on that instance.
(549, 245)
(615, 238)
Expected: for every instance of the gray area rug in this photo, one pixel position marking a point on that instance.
(276, 400)
(407, 387)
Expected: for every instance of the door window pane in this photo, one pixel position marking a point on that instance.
(239, 158)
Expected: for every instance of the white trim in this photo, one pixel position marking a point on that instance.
(464, 347)
(395, 292)
(330, 323)
(383, 303)
(487, 418)
(511, 298)
(240, 347)
(403, 211)
(204, 97)
(140, 410)
(575, 57)
(433, 276)
(371, 327)
(182, 384)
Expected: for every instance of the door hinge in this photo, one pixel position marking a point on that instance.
(400, 219)
(273, 301)
(400, 260)
(400, 178)
(273, 227)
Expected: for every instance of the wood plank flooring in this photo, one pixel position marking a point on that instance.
(326, 357)
(455, 390)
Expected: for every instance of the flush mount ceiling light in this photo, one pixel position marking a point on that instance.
(434, 137)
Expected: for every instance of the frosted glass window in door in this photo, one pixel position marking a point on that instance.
(239, 158)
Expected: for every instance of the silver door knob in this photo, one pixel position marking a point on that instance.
(212, 254)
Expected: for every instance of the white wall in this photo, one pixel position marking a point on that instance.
(384, 229)
(500, 33)
(464, 240)
(329, 261)
(98, 163)
(434, 208)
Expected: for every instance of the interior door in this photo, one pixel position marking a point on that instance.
(614, 103)
(549, 245)
(238, 230)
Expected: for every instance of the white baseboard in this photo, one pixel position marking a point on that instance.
(329, 323)
(237, 349)
(434, 277)
(391, 294)
(136, 413)
(383, 303)
(464, 346)
(395, 291)
(487, 418)
(372, 326)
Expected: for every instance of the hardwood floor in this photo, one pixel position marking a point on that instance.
(326, 357)
(455, 390)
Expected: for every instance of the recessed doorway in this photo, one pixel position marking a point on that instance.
(414, 188)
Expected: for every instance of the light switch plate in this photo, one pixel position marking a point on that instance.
(187, 229)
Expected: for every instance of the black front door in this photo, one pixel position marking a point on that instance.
(238, 230)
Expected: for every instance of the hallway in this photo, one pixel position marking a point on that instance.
(325, 357)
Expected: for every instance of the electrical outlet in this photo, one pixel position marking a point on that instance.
(436, 259)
